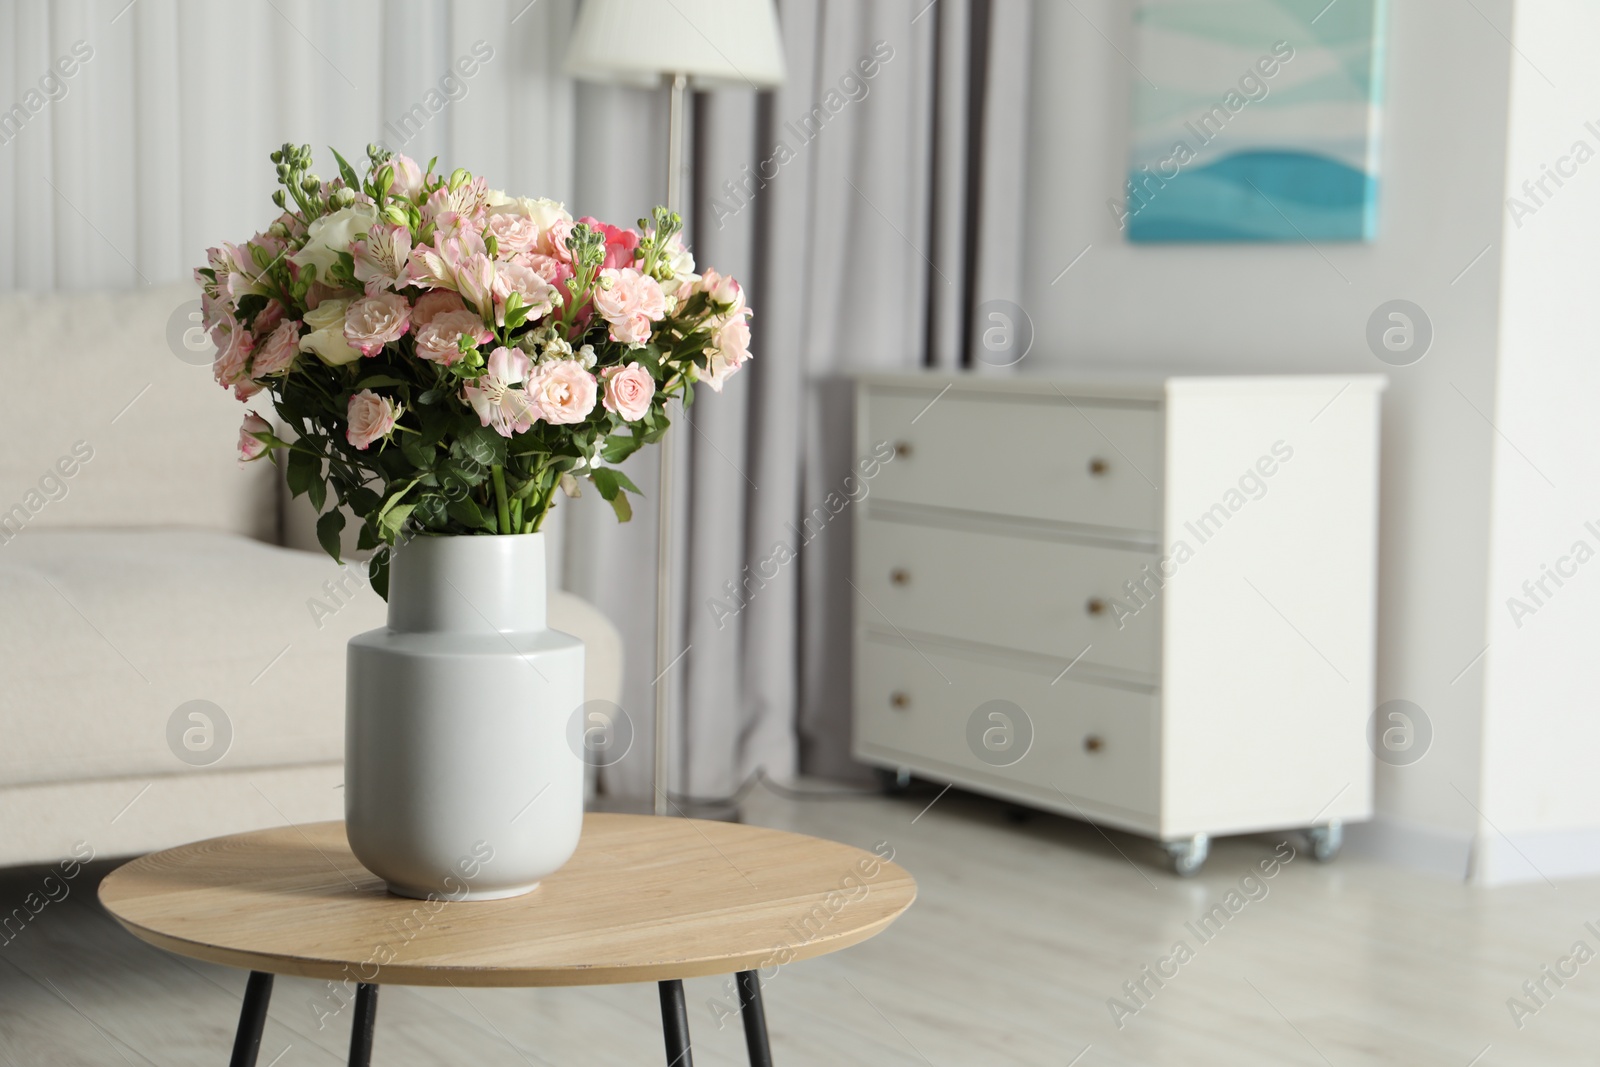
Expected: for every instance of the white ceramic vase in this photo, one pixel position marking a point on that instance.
(459, 780)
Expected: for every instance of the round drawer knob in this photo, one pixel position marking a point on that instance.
(900, 576)
(1098, 466)
(1095, 606)
(1093, 743)
(899, 700)
(902, 449)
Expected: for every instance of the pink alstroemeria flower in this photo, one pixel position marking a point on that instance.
(382, 257)
(499, 397)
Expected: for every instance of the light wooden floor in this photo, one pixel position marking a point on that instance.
(1021, 934)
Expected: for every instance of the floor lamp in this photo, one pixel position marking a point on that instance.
(684, 44)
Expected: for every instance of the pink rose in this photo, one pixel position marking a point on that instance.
(549, 268)
(563, 391)
(371, 417)
(433, 303)
(374, 321)
(620, 243)
(437, 342)
(721, 289)
(729, 349)
(538, 295)
(628, 391)
(513, 234)
(630, 302)
(250, 446)
(277, 352)
(545, 215)
(267, 318)
(555, 240)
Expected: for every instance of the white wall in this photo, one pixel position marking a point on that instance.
(1292, 308)
(1541, 792)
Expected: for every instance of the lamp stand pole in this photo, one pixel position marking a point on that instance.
(664, 491)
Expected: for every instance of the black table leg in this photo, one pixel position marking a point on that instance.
(361, 1029)
(755, 1019)
(675, 1024)
(252, 1020)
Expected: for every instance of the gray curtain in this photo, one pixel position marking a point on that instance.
(856, 209)
(868, 242)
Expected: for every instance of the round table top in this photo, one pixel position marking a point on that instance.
(643, 899)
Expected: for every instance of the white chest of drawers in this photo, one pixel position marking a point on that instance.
(1148, 603)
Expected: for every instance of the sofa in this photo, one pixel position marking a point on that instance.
(172, 641)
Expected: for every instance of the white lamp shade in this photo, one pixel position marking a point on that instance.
(717, 43)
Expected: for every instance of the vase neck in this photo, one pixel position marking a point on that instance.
(468, 584)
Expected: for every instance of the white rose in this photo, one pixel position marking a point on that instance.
(330, 234)
(543, 211)
(495, 198)
(327, 338)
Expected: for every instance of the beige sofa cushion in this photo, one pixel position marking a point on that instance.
(107, 633)
(101, 372)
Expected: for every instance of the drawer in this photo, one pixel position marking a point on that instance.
(1091, 463)
(1097, 744)
(1047, 597)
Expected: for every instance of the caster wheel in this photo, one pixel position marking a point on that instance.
(1188, 856)
(1326, 841)
(893, 781)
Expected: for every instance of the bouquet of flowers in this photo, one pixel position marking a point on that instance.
(446, 357)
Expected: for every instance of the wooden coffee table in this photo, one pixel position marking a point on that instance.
(644, 899)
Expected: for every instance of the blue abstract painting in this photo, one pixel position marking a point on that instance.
(1254, 120)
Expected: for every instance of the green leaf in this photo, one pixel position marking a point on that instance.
(430, 510)
(317, 493)
(419, 452)
(372, 381)
(392, 521)
(623, 480)
(481, 445)
(650, 356)
(329, 527)
(378, 573)
(346, 171)
(367, 538)
(362, 501)
(304, 469)
(605, 480)
(390, 505)
(465, 473)
(612, 483)
(619, 447)
(466, 511)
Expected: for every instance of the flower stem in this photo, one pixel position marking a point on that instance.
(503, 510)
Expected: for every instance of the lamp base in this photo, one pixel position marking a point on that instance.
(641, 805)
